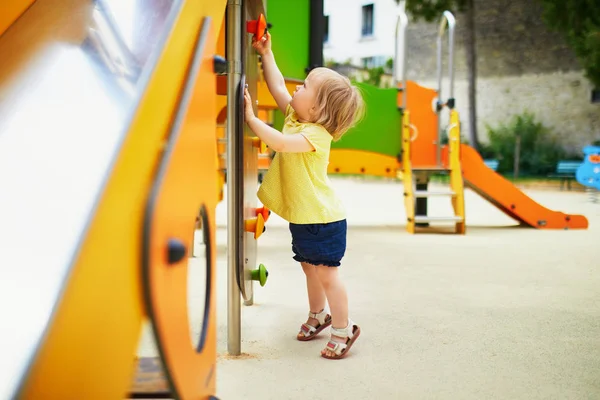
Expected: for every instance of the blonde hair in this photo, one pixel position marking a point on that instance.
(339, 105)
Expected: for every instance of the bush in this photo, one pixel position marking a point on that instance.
(539, 150)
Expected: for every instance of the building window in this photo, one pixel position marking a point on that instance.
(373, 62)
(326, 29)
(367, 20)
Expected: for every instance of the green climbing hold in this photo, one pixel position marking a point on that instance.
(260, 274)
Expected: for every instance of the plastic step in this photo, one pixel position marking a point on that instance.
(422, 218)
(432, 193)
(431, 169)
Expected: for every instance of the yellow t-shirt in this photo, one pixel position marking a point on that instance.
(296, 186)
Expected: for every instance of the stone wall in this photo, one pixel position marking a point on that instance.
(522, 65)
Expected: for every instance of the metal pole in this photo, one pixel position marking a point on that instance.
(451, 25)
(404, 20)
(438, 148)
(234, 208)
(400, 57)
(447, 20)
(395, 73)
(316, 35)
(439, 69)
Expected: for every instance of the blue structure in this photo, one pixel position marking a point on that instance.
(588, 173)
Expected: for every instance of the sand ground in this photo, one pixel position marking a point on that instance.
(500, 313)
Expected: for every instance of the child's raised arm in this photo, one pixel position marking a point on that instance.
(274, 78)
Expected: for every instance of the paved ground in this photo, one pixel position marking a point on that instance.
(501, 313)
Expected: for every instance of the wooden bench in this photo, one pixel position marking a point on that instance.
(565, 171)
(492, 164)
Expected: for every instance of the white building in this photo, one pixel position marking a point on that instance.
(361, 32)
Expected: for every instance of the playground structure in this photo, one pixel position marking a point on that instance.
(110, 113)
(588, 173)
(461, 162)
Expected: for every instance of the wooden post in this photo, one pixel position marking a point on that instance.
(517, 156)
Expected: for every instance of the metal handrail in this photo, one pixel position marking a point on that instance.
(400, 68)
(235, 206)
(449, 21)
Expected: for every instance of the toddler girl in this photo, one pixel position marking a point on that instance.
(297, 188)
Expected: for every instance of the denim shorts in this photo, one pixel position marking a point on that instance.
(319, 244)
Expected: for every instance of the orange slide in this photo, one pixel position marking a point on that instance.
(509, 199)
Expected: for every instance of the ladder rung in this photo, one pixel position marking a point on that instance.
(432, 169)
(428, 193)
(422, 218)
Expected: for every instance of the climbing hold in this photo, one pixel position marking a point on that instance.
(259, 144)
(255, 225)
(264, 211)
(257, 27)
(260, 274)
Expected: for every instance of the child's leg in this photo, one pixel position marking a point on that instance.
(338, 301)
(343, 332)
(336, 295)
(316, 303)
(316, 294)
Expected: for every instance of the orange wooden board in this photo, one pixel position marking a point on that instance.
(422, 115)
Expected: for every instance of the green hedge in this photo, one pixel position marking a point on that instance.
(539, 148)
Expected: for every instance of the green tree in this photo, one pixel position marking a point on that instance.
(431, 10)
(579, 22)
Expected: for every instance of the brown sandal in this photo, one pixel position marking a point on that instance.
(351, 333)
(308, 332)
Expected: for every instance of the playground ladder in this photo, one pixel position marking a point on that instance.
(455, 192)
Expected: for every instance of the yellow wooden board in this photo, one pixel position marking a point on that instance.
(345, 161)
(11, 10)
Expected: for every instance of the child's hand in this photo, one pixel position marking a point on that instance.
(262, 45)
(248, 111)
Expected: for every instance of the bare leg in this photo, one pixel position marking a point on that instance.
(336, 297)
(316, 294)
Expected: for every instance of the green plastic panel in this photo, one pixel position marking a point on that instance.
(290, 35)
(379, 131)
